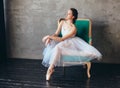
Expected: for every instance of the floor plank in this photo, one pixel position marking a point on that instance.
(24, 73)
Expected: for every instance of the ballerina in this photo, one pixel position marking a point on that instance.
(68, 44)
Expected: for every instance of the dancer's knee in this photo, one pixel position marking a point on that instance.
(45, 38)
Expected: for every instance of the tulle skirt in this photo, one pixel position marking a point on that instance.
(75, 46)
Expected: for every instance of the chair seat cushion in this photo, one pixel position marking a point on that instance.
(67, 58)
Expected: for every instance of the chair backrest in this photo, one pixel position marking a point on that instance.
(84, 30)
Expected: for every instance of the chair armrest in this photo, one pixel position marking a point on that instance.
(90, 40)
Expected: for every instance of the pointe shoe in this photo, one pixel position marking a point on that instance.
(89, 75)
(49, 73)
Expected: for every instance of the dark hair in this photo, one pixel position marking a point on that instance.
(75, 14)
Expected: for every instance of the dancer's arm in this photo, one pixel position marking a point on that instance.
(58, 29)
(69, 35)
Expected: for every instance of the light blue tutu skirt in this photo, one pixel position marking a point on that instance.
(73, 47)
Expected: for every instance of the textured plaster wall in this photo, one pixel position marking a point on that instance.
(27, 21)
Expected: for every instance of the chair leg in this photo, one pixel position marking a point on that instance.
(88, 68)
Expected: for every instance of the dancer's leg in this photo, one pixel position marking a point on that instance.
(53, 62)
(49, 72)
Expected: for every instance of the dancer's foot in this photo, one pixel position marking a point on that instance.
(89, 75)
(49, 73)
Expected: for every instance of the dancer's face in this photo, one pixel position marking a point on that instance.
(69, 15)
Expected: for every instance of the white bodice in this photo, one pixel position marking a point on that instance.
(65, 31)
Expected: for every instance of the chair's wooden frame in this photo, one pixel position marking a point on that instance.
(88, 64)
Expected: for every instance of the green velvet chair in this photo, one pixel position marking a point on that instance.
(83, 31)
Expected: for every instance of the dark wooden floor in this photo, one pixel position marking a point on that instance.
(22, 73)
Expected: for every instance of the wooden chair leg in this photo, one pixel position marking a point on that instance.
(88, 68)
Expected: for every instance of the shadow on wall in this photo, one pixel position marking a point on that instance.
(100, 41)
(3, 55)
